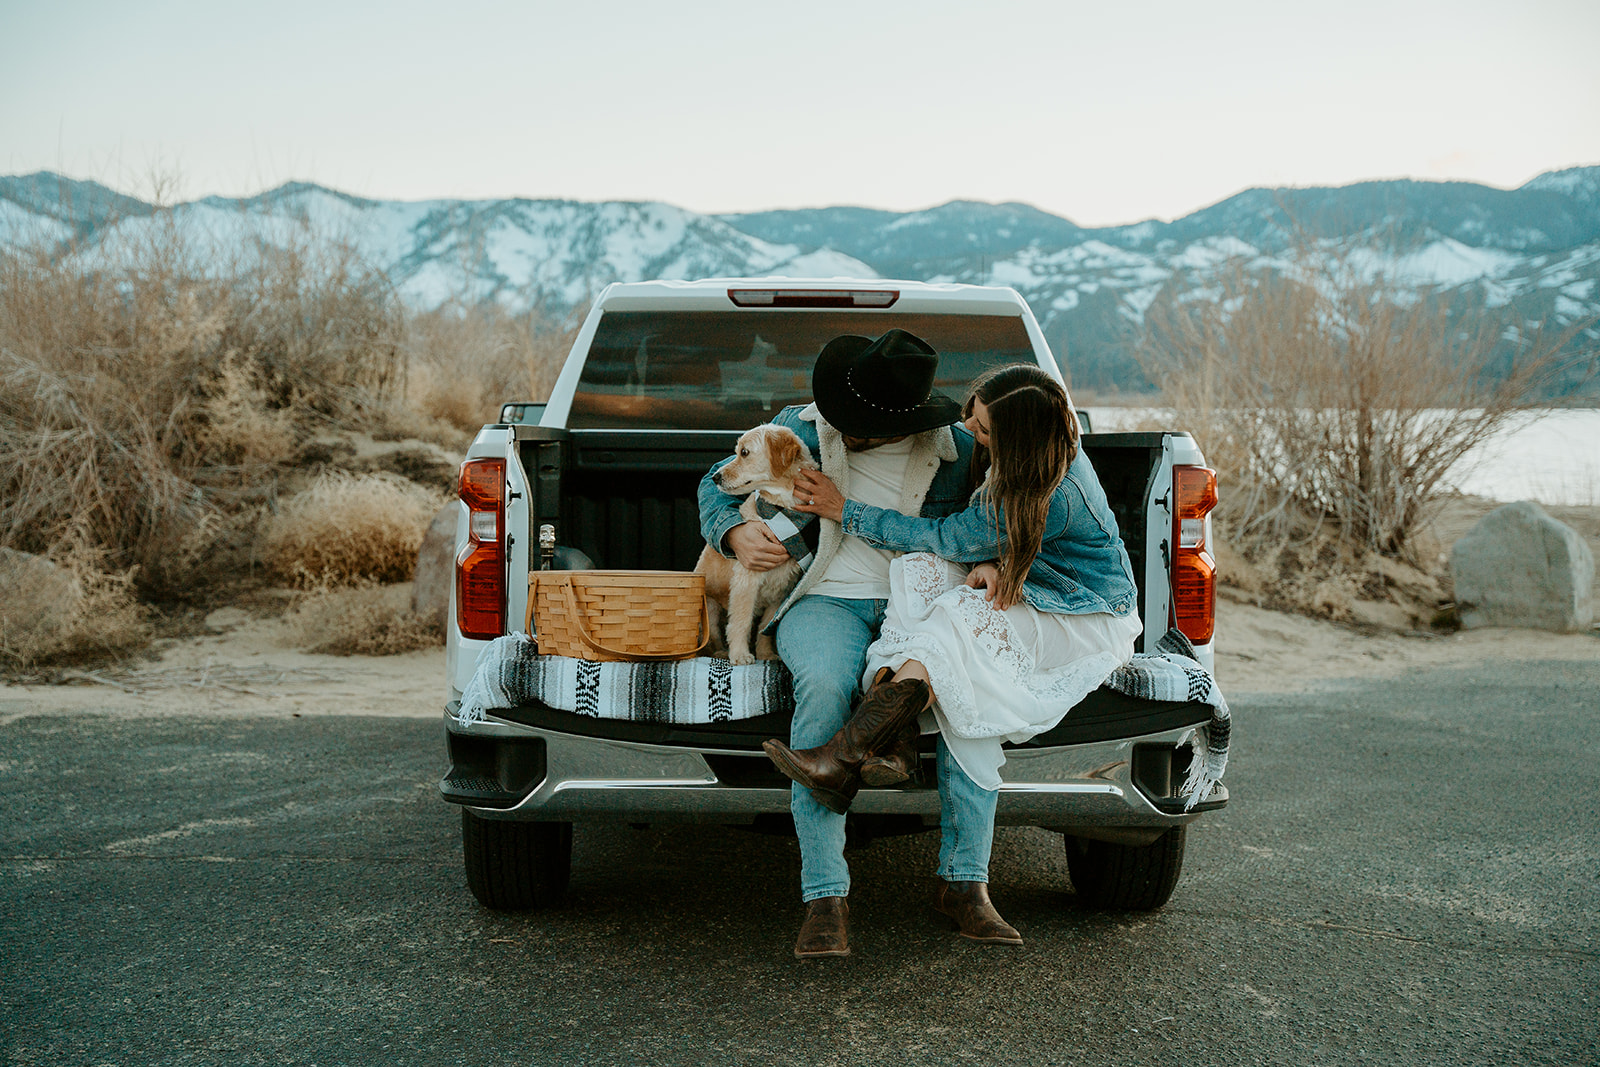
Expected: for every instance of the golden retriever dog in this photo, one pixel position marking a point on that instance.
(764, 464)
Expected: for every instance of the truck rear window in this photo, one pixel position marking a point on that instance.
(712, 370)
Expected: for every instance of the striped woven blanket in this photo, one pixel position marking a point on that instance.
(1172, 672)
(704, 690)
(686, 691)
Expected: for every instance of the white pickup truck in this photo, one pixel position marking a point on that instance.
(660, 381)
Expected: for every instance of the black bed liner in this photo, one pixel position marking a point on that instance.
(628, 500)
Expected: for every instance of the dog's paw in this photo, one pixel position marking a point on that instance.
(741, 659)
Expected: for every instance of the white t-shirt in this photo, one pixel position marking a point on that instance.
(859, 571)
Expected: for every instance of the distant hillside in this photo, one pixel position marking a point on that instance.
(1530, 255)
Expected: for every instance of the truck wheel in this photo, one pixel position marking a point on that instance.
(1126, 877)
(514, 866)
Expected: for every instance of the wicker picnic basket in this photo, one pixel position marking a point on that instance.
(618, 615)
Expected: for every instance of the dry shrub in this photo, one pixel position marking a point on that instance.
(1333, 405)
(347, 528)
(101, 398)
(148, 392)
(463, 363)
(366, 619)
(320, 328)
(65, 608)
(1325, 576)
(397, 422)
(241, 425)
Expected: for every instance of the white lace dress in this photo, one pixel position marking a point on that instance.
(997, 675)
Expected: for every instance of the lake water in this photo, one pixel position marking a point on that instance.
(1550, 457)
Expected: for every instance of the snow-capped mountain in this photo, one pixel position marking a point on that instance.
(554, 253)
(1532, 255)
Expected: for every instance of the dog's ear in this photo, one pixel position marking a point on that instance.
(785, 451)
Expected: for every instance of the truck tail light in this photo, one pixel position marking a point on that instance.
(481, 564)
(1194, 570)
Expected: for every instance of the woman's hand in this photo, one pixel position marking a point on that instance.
(816, 494)
(986, 576)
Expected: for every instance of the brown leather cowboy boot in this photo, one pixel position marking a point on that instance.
(826, 929)
(832, 771)
(968, 904)
(899, 762)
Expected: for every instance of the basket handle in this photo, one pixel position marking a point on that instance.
(583, 632)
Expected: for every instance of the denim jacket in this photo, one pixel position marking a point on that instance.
(1082, 565)
(935, 486)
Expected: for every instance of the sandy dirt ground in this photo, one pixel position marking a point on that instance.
(242, 667)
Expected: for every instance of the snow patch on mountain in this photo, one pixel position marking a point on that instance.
(1445, 262)
(1211, 252)
(825, 263)
(1136, 302)
(1568, 310)
(21, 228)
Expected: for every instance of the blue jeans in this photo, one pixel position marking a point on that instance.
(823, 641)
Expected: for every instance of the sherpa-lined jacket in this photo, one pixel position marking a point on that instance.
(935, 486)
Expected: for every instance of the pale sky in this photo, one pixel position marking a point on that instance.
(1101, 112)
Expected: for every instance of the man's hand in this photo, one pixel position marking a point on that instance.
(756, 546)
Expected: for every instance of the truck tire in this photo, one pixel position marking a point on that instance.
(1126, 877)
(515, 866)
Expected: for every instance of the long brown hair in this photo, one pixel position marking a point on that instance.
(1033, 437)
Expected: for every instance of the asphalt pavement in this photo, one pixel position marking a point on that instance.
(1407, 874)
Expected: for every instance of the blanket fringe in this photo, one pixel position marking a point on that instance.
(1208, 759)
(486, 689)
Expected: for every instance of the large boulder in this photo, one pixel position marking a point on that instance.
(1520, 567)
(436, 567)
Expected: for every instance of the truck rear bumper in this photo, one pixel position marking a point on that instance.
(510, 770)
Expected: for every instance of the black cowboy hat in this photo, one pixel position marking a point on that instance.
(882, 388)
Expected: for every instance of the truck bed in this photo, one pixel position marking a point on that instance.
(628, 500)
